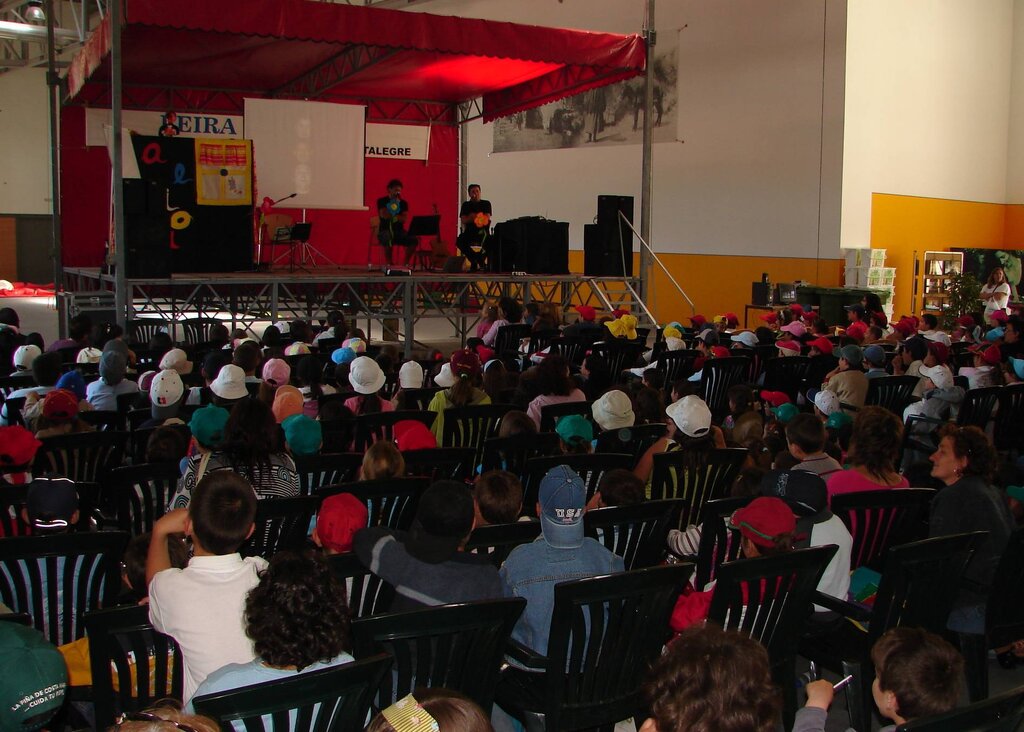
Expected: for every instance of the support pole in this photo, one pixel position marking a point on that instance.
(646, 173)
(120, 249)
(53, 100)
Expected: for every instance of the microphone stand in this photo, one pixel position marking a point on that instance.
(259, 238)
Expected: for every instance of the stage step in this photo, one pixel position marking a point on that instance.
(620, 294)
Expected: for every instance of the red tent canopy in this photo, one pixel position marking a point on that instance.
(326, 51)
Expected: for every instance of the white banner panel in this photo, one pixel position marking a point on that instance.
(402, 142)
(311, 149)
(183, 124)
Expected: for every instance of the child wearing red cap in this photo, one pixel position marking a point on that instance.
(339, 518)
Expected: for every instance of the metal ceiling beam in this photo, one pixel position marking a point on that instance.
(25, 32)
(335, 70)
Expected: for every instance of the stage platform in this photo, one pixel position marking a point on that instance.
(395, 302)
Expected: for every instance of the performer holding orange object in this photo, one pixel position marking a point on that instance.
(475, 216)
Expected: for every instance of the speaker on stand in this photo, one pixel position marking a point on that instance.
(608, 243)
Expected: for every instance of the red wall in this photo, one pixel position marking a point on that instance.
(341, 235)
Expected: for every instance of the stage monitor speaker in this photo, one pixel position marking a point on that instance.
(145, 230)
(529, 244)
(609, 252)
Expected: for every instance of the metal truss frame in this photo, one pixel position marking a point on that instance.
(23, 44)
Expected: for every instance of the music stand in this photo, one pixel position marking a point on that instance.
(424, 226)
(298, 236)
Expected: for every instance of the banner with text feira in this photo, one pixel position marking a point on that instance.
(402, 142)
(163, 124)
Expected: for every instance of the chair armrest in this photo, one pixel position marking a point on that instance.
(526, 656)
(844, 608)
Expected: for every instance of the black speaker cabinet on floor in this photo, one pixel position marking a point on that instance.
(608, 245)
(529, 244)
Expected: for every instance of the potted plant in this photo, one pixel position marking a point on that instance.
(964, 298)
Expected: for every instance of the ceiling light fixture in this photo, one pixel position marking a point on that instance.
(34, 12)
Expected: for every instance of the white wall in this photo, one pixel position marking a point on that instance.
(928, 94)
(753, 174)
(24, 143)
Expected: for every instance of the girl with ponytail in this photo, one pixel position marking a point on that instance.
(463, 392)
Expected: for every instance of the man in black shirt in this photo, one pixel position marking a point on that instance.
(393, 210)
(473, 234)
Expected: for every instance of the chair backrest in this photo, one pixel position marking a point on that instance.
(85, 456)
(891, 392)
(588, 467)
(455, 463)
(418, 398)
(13, 408)
(57, 579)
(1004, 623)
(1009, 428)
(142, 330)
(459, 647)
(104, 420)
(381, 425)
(12, 498)
(471, 426)
(320, 470)
(636, 533)
(572, 348)
(619, 355)
(697, 476)
(119, 638)
(541, 339)
(197, 330)
(718, 376)
(366, 593)
(770, 598)
(336, 699)
(140, 437)
(496, 541)
(978, 406)
(13, 382)
(718, 543)
(920, 582)
(550, 414)
(512, 453)
(281, 523)
(1001, 713)
(390, 502)
(677, 364)
(142, 494)
(633, 440)
(786, 374)
(605, 632)
(508, 336)
(879, 520)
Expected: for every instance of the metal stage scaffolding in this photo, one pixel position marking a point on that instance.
(397, 303)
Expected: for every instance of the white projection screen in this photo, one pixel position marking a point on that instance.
(312, 149)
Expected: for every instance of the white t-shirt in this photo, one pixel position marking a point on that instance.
(836, 580)
(202, 607)
(1000, 298)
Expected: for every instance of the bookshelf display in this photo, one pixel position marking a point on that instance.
(936, 270)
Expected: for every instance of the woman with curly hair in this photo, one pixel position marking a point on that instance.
(297, 619)
(965, 462)
(712, 680)
(555, 386)
(874, 453)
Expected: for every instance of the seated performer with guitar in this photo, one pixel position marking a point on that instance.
(475, 216)
(393, 211)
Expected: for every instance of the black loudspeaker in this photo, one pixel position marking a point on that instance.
(608, 249)
(146, 230)
(758, 293)
(529, 244)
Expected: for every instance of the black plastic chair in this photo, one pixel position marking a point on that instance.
(436, 463)
(978, 407)
(718, 543)
(471, 426)
(1002, 713)
(391, 502)
(572, 348)
(635, 533)
(381, 425)
(141, 494)
(677, 364)
(197, 330)
(496, 541)
(140, 439)
(632, 440)
(619, 355)
(12, 499)
(550, 414)
(891, 392)
(879, 520)
(786, 374)
(366, 593)
(336, 699)
(142, 330)
(57, 579)
(13, 409)
(281, 523)
(696, 476)
(1009, 427)
(320, 470)
(588, 467)
(718, 376)
(506, 340)
(104, 420)
(417, 398)
(84, 457)
(458, 647)
(512, 453)
(14, 382)
(118, 638)
(605, 633)
(770, 599)
(919, 583)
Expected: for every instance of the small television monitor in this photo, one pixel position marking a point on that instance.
(785, 292)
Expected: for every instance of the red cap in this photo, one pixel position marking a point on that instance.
(720, 352)
(586, 312)
(905, 328)
(411, 434)
(763, 519)
(770, 318)
(17, 447)
(913, 320)
(60, 405)
(340, 517)
(790, 345)
(465, 363)
(775, 398)
(698, 321)
(965, 321)
(857, 331)
(990, 354)
(618, 313)
(822, 343)
(731, 320)
(796, 308)
(881, 318)
(485, 353)
(999, 316)
(939, 350)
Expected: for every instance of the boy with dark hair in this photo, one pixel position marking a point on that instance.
(201, 606)
(805, 435)
(247, 356)
(497, 498)
(618, 487)
(917, 674)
